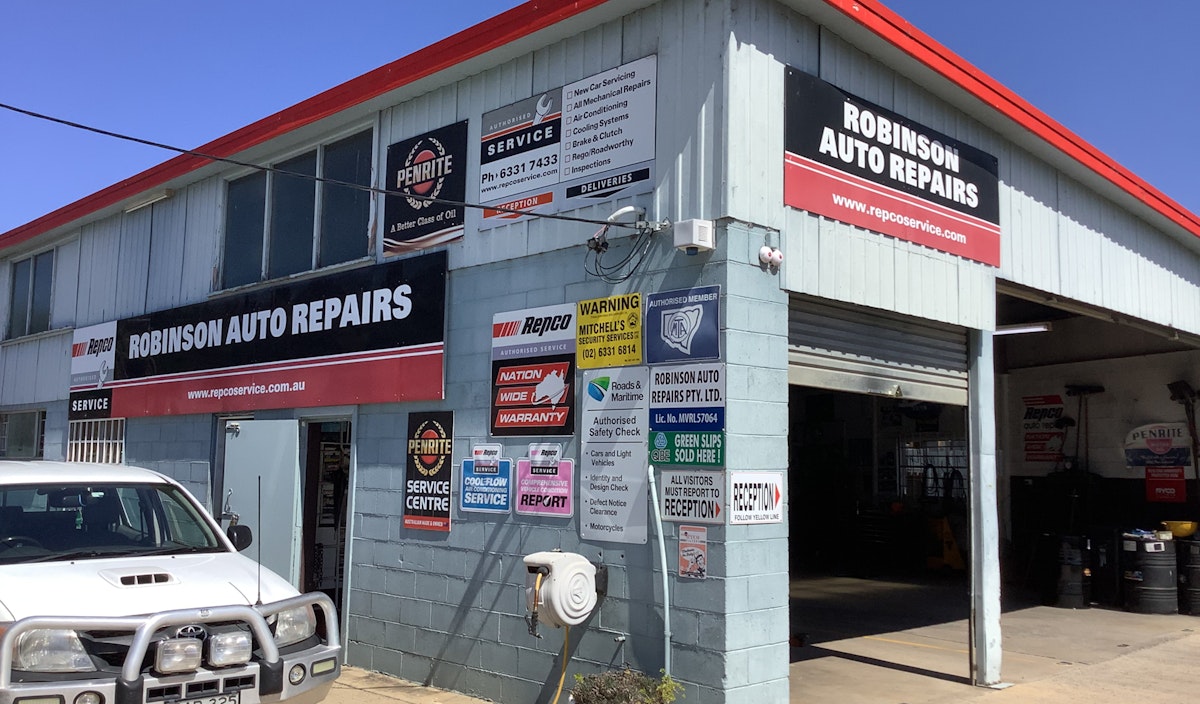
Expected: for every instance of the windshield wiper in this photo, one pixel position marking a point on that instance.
(176, 550)
(78, 555)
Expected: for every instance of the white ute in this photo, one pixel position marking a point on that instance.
(117, 587)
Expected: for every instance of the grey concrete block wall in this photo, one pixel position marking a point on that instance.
(177, 446)
(451, 606)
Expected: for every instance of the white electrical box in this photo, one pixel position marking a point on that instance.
(566, 595)
(692, 236)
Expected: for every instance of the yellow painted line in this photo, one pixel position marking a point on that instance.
(915, 645)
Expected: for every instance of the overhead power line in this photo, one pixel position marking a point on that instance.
(321, 179)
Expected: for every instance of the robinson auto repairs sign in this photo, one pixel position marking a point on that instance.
(371, 335)
(856, 162)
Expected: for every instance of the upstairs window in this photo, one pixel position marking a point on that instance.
(22, 435)
(32, 280)
(278, 224)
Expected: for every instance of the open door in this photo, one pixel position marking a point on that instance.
(266, 450)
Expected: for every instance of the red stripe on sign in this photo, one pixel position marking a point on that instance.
(384, 380)
(531, 417)
(505, 329)
(514, 396)
(79, 349)
(819, 189)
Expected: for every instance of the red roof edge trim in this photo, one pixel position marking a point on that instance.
(904, 36)
(507, 27)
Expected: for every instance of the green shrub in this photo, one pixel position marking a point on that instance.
(625, 686)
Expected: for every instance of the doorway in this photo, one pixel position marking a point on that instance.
(879, 529)
(289, 481)
(327, 482)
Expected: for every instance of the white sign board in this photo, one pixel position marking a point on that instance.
(613, 482)
(755, 497)
(693, 496)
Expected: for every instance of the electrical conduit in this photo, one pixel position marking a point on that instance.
(662, 554)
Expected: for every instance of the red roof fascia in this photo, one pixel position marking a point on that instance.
(899, 32)
(510, 26)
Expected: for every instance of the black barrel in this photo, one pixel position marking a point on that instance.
(1074, 572)
(1188, 557)
(1148, 568)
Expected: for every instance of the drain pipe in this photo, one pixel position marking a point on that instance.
(662, 554)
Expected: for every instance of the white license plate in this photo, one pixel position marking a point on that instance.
(228, 698)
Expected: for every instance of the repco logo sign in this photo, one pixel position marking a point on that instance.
(92, 347)
(430, 447)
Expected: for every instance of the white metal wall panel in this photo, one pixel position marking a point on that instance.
(36, 371)
(1024, 210)
(99, 252)
(66, 285)
(202, 235)
(167, 238)
(133, 267)
(823, 257)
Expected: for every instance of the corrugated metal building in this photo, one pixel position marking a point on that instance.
(405, 382)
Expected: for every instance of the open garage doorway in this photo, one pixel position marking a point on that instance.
(879, 523)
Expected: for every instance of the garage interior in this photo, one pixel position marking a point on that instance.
(879, 513)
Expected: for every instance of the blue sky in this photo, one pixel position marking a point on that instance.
(1124, 76)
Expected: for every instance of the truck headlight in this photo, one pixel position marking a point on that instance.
(229, 648)
(178, 655)
(51, 650)
(294, 625)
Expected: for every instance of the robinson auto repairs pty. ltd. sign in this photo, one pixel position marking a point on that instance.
(371, 335)
(856, 162)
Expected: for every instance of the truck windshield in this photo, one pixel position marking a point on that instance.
(45, 522)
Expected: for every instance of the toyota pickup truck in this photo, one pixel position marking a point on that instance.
(117, 587)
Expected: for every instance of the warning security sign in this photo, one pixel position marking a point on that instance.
(694, 497)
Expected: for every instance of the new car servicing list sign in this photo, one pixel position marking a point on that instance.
(613, 480)
(577, 145)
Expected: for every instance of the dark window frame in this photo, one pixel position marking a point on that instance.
(31, 294)
(278, 225)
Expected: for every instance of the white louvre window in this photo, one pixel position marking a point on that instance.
(101, 440)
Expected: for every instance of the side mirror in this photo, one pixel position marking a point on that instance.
(240, 535)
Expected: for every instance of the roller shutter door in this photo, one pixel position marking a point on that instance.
(863, 350)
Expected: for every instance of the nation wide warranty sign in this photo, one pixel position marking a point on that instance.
(856, 162)
(533, 371)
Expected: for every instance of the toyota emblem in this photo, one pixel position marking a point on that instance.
(191, 631)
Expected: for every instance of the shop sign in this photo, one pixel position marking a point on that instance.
(854, 161)
(428, 470)
(428, 166)
(533, 369)
(693, 552)
(584, 143)
(545, 483)
(610, 331)
(371, 335)
(1159, 445)
(755, 497)
(683, 325)
(486, 487)
(613, 482)
(694, 496)
(1041, 424)
(687, 415)
(1166, 485)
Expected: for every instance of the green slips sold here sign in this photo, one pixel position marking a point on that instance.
(705, 448)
